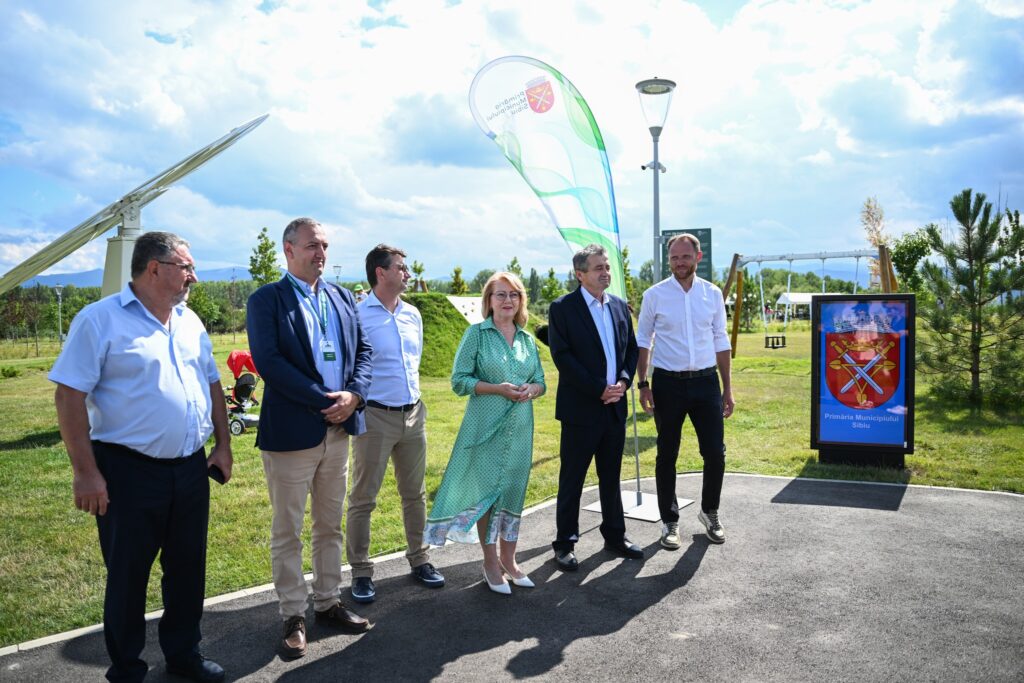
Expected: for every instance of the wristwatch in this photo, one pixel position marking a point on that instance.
(643, 384)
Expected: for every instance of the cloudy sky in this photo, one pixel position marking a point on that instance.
(788, 115)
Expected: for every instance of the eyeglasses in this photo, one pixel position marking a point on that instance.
(187, 268)
(402, 267)
(509, 296)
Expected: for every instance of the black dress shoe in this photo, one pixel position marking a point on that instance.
(293, 644)
(566, 561)
(625, 548)
(197, 668)
(342, 617)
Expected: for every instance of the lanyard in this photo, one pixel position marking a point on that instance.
(321, 314)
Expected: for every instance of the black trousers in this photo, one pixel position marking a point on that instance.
(155, 507)
(580, 444)
(700, 398)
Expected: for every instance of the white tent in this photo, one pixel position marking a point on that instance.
(795, 298)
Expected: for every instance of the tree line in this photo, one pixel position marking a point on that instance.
(969, 289)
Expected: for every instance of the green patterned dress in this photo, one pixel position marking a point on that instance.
(491, 459)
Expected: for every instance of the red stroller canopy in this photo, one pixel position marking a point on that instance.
(239, 362)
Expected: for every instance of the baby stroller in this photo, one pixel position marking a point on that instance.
(241, 396)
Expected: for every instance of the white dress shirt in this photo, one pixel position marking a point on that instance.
(397, 341)
(147, 386)
(313, 306)
(685, 329)
(602, 316)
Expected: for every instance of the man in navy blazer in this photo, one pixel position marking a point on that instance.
(308, 346)
(594, 348)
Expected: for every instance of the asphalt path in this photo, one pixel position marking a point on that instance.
(818, 580)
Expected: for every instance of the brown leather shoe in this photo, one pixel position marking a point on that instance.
(294, 644)
(342, 617)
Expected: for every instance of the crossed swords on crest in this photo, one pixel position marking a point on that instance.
(861, 375)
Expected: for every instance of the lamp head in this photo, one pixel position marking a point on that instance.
(655, 97)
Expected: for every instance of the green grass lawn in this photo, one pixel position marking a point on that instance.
(51, 573)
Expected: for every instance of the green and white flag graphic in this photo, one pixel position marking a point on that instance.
(545, 128)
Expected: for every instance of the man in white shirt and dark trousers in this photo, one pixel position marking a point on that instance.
(395, 423)
(682, 321)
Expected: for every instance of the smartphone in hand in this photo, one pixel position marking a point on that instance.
(216, 474)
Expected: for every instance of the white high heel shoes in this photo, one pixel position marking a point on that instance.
(523, 581)
(502, 587)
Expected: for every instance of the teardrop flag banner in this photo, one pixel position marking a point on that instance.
(546, 130)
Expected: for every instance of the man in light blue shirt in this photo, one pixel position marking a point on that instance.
(138, 395)
(395, 423)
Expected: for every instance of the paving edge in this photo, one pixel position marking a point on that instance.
(246, 592)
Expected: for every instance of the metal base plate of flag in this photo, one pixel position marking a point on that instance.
(646, 510)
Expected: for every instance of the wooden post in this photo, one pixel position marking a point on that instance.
(737, 308)
(888, 275)
(733, 269)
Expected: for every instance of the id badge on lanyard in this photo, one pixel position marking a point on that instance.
(327, 349)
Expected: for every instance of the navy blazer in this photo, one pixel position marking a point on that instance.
(577, 352)
(290, 417)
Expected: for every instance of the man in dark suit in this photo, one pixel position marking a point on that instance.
(309, 348)
(595, 351)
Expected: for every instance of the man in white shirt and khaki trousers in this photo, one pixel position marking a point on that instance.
(681, 335)
(395, 423)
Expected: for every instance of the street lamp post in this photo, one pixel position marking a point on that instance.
(655, 97)
(231, 301)
(59, 289)
(337, 275)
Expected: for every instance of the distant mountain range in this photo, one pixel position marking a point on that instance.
(94, 278)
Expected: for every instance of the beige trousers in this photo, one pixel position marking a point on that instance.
(402, 438)
(292, 477)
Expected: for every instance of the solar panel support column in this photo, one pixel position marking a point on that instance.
(117, 270)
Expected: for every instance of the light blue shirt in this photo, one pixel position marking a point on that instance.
(147, 387)
(397, 341)
(602, 316)
(312, 306)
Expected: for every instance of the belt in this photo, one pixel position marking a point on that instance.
(131, 453)
(687, 374)
(397, 409)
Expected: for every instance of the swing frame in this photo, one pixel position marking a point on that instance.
(889, 284)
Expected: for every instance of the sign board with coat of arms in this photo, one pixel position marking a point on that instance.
(862, 386)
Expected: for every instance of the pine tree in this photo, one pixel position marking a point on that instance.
(976, 325)
(515, 268)
(533, 285)
(263, 262)
(459, 287)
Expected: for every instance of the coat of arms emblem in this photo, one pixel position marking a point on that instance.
(862, 371)
(539, 95)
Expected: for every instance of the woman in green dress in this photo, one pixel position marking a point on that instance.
(482, 491)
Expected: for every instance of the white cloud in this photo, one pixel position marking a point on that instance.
(789, 111)
(820, 158)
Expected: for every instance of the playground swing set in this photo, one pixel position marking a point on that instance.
(778, 341)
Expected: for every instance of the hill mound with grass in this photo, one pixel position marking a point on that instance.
(443, 327)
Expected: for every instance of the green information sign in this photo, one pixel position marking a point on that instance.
(704, 268)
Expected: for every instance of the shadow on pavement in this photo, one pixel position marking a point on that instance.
(564, 607)
(840, 494)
